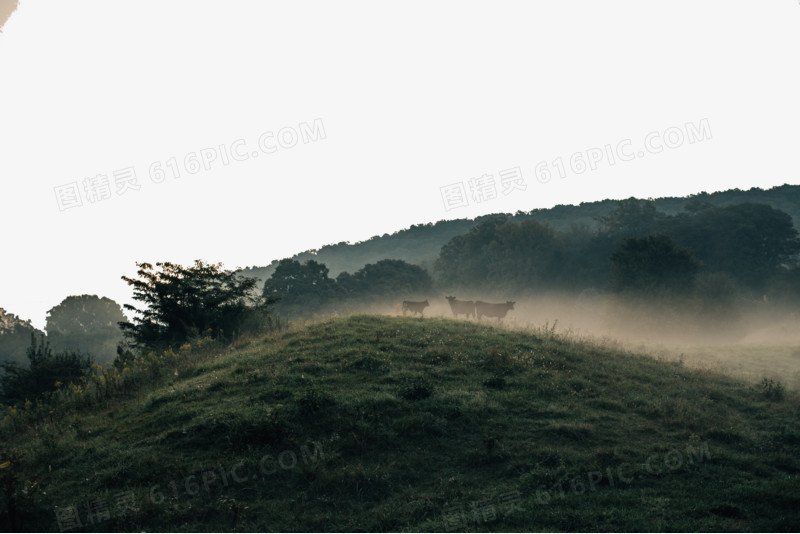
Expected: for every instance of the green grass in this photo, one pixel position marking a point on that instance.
(374, 423)
(750, 362)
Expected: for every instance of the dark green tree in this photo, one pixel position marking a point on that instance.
(751, 242)
(386, 279)
(86, 323)
(302, 288)
(463, 260)
(15, 338)
(184, 302)
(653, 266)
(632, 217)
(499, 254)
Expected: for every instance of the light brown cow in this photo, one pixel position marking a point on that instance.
(467, 307)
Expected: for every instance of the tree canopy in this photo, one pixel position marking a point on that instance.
(300, 286)
(87, 323)
(15, 337)
(654, 266)
(184, 302)
(306, 288)
(751, 242)
(387, 278)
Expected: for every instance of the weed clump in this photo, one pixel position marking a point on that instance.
(500, 362)
(415, 389)
(495, 382)
(772, 389)
(314, 401)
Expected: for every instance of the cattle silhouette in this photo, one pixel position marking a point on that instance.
(415, 307)
(493, 310)
(467, 307)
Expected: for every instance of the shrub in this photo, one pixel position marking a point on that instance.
(313, 401)
(415, 389)
(495, 382)
(47, 372)
(772, 389)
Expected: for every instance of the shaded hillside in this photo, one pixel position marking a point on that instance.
(381, 423)
(420, 244)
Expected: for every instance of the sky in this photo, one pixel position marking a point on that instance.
(243, 132)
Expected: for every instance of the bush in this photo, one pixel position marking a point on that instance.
(772, 389)
(313, 401)
(495, 382)
(415, 389)
(46, 373)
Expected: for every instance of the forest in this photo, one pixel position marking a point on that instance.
(707, 261)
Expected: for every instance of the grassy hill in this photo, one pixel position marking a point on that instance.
(387, 423)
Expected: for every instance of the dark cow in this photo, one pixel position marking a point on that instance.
(493, 310)
(415, 307)
(467, 307)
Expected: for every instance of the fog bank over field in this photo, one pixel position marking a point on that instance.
(751, 341)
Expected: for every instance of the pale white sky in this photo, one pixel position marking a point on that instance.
(394, 101)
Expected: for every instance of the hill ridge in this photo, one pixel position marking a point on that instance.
(420, 243)
(390, 423)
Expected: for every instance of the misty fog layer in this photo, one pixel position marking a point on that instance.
(752, 341)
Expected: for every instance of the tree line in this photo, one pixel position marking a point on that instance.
(303, 289)
(634, 249)
(181, 304)
(420, 244)
(84, 323)
(716, 253)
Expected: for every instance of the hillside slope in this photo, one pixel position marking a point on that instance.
(386, 423)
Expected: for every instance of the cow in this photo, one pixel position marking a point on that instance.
(467, 307)
(415, 307)
(493, 310)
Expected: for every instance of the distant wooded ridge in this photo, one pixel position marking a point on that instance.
(421, 244)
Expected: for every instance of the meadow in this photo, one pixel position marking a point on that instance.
(382, 423)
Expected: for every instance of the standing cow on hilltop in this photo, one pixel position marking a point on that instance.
(493, 310)
(467, 307)
(415, 307)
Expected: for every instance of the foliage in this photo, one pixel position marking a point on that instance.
(500, 254)
(652, 265)
(631, 217)
(772, 389)
(750, 242)
(415, 388)
(300, 286)
(420, 244)
(15, 338)
(183, 303)
(45, 373)
(87, 323)
(305, 289)
(385, 279)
